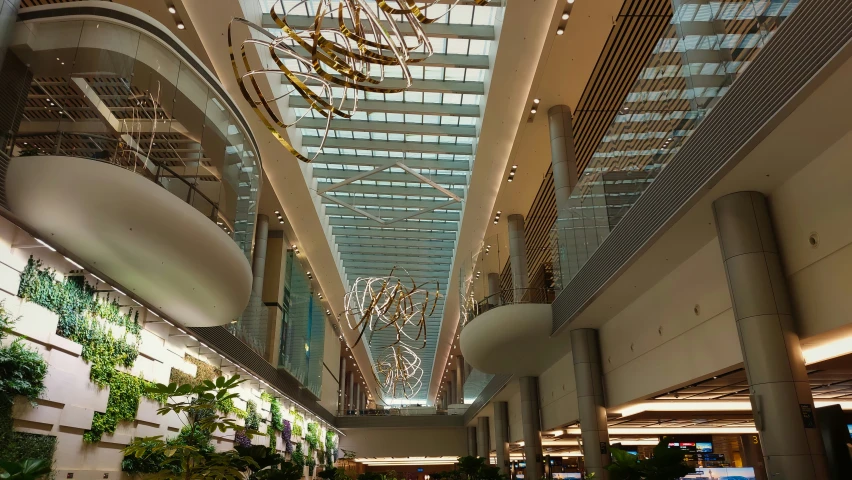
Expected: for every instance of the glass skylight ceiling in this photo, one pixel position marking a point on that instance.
(432, 129)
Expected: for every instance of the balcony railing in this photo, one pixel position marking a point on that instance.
(509, 296)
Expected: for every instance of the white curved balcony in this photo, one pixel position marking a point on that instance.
(511, 338)
(136, 232)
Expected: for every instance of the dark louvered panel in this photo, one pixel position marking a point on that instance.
(38, 3)
(805, 45)
(638, 28)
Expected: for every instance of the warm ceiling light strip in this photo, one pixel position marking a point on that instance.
(709, 406)
(833, 348)
(675, 431)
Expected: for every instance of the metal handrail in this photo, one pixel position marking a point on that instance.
(509, 296)
(115, 160)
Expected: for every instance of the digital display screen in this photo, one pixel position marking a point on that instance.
(633, 452)
(704, 447)
(746, 473)
(849, 428)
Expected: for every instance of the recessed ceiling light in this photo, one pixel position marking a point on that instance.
(560, 31)
(570, 1)
(533, 110)
(536, 101)
(181, 26)
(172, 10)
(565, 16)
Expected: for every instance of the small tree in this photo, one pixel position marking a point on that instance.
(197, 408)
(666, 464)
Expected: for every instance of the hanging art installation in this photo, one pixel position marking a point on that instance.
(349, 44)
(401, 306)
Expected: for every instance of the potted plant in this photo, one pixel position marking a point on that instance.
(666, 464)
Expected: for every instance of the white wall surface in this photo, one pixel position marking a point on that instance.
(558, 394)
(405, 442)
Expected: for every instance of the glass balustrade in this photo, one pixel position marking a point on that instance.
(706, 47)
(100, 90)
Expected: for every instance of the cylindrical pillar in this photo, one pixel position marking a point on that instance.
(501, 435)
(356, 398)
(8, 17)
(781, 398)
(562, 157)
(483, 438)
(467, 369)
(350, 379)
(341, 400)
(494, 289)
(471, 441)
(565, 176)
(460, 379)
(259, 260)
(588, 376)
(518, 256)
(531, 420)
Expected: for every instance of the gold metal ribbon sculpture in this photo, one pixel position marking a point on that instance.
(380, 303)
(349, 56)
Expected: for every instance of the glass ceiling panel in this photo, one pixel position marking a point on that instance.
(431, 128)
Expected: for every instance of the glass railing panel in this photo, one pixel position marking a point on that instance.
(102, 91)
(706, 47)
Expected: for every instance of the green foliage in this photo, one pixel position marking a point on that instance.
(297, 456)
(266, 397)
(252, 419)
(312, 438)
(275, 412)
(333, 474)
(192, 456)
(285, 471)
(298, 419)
(125, 392)
(29, 469)
(273, 438)
(20, 445)
(71, 298)
(473, 468)
(22, 372)
(666, 464)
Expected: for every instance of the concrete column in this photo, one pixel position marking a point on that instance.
(483, 438)
(471, 441)
(341, 401)
(494, 297)
(453, 390)
(350, 392)
(780, 394)
(356, 398)
(501, 435)
(562, 158)
(531, 419)
(460, 378)
(258, 266)
(8, 17)
(588, 376)
(518, 256)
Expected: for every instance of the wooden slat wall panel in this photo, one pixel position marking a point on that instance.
(639, 26)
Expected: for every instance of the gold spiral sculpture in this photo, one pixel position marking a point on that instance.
(353, 56)
(375, 304)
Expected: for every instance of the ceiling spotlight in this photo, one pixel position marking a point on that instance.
(536, 101)
(280, 221)
(570, 1)
(559, 31)
(533, 111)
(172, 10)
(565, 16)
(510, 178)
(277, 212)
(181, 26)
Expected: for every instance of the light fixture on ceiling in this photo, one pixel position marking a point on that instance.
(536, 101)
(533, 111)
(570, 1)
(512, 172)
(560, 31)
(565, 16)
(172, 9)
(181, 26)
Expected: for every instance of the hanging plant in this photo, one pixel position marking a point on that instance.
(312, 437)
(286, 435)
(311, 465)
(298, 457)
(241, 439)
(252, 419)
(275, 413)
